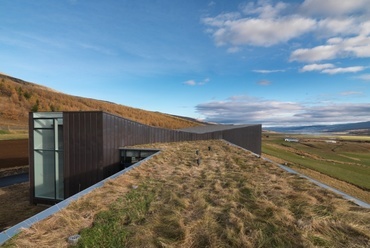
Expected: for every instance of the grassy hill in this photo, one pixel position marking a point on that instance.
(232, 199)
(18, 98)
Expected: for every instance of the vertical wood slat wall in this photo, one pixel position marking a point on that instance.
(92, 140)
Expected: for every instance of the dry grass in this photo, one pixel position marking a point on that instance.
(232, 199)
(15, 205)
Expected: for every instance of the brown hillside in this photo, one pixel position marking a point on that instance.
(18, 98)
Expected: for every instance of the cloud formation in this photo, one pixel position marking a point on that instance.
(264, 82)
(344, 27)
(358, 46)
(267, 71)
(256, 31)
(316, 67)
(245, 109)
(331, 69)
(332, 8)
(365, 77)
(194, 83)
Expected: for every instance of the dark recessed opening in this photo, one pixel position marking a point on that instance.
(130, 156)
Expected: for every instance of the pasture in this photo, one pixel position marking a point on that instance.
(346, 159)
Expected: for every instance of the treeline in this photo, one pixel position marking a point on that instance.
(18, 98)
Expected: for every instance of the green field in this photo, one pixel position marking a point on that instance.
(9, 135)
(348, 159)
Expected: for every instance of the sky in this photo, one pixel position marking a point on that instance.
(278, 63)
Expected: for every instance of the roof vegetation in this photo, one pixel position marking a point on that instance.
(231, 199)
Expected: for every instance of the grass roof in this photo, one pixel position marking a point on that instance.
(231, 199)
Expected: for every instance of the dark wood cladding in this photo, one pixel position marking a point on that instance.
(31, 157)
(246, 137)
(92, 141)
(83, 150)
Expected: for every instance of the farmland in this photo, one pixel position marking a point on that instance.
(343, 159)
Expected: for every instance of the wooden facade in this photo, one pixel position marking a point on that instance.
(89, 143)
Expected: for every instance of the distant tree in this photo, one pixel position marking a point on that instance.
(27, 95)
(53, 108)
(35, 107)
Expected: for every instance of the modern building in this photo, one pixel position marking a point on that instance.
(291, 140)
(70, 151)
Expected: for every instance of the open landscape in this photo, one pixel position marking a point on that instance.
(342, 162)
(259, 108)
(232, 199)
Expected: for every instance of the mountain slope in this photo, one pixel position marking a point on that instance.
(18, 98)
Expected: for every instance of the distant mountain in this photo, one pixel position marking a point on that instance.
(352, 128)
(18, 98)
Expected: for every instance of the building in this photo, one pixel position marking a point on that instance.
(291, 140)
(70, 151)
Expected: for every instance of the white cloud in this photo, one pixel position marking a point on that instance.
(331, 69)
(267, 71)
(190, 82)
(194, 83)
(265, 24)
(264, 9)
(318, 53)
(258, 32)
(365, 28)
(233, 49)
(264, 82)
(244, 109)
(365, 77)
(335, 26)
(350, 93)
(343, 69)
(358, 46)
(316, 67)
(334, 7)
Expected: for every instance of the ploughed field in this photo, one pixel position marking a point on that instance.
(14, 200)
(13, 153)
(341, 162)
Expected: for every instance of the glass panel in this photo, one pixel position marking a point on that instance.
(59, 176)
(43, 123)
(44, 174)
(47, 115)
(43, 139)
(132, 153)
(60, 138)
(145, 154)
(48, 158)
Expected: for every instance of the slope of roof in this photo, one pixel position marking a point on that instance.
(211, 128)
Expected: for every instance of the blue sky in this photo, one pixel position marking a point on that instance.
(271, 62)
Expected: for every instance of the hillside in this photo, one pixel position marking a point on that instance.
(232, 199)
(18, 98)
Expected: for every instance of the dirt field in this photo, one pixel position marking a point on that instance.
(15, 206)
(13, 153)
(14, 199)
